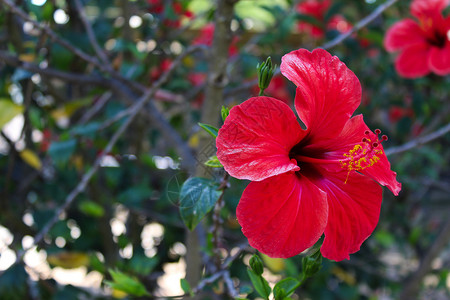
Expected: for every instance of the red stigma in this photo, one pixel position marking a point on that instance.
(384, 138)
(367, 132)
(375, 144)
(377, 131)
(364, 140)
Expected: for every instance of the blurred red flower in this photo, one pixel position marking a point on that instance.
(157, 71)
(306, 182)
(176, 8)
(396, 113)
(318, 9)
(206, 37)
(424, 45)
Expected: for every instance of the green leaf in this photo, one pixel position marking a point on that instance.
(197, 197)
(288, 285)
(309, 19)
(60, 152)
(186, 287)
(89, 129)
(332, 11)
(143, 265)
(127, 284)
(261, 285)
(8, 110)
(213, 162)
(91, 208)
(135, 196)
(210, 129)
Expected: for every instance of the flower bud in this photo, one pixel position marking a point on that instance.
(257, 265)
(225, 112)
(312, 264)
(265, 74)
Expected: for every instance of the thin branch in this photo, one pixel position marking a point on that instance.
(419, 141)
(99, 104)
(14, 61)
(217, 221)
(53, 36)
(136, 108)
(91, 36)
(78, 52)
(231, 258)
(361, 24)
(232, 292)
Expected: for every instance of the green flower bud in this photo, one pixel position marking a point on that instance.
(225, 112)
(257, 265)
(265, 74)
(312, 264)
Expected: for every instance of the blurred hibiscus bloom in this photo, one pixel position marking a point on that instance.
(306, 182)
(424, 45)
(206, 37)
(397, 112)
(318, 10)
(176, 12)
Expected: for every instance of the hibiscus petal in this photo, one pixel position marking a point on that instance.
(413, 61)
(353, 212)
(282, 215)
(327, 91)
(403, 34)
(428, 7)
(352, 134)
(439, 59)
(256, 138)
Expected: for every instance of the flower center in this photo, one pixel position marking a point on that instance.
(433, 35)
(363, 155)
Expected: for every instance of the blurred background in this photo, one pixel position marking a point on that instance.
(99, 105)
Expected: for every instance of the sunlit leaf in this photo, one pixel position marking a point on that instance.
(213, 162)
(68, 260)
(31, 158)
(8, 110)
(210, 129)
(127, 284)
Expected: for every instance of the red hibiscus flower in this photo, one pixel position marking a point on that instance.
(424, 46)
(318, 9)
(306, 182)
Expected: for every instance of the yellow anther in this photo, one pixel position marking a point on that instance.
(360, 158)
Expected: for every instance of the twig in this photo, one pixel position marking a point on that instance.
(91, 36)
(53, 36)
(99, 104)
(362, 23)
(14, 61)
(78, 52)
(136, 108)
(232, 292)
(419, 141)
(217, 225)
(231, 258)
